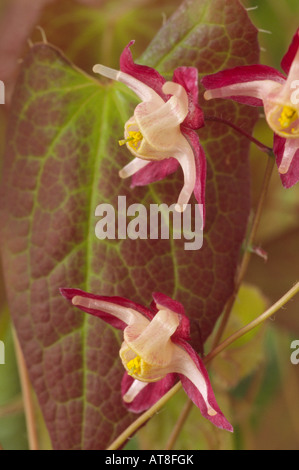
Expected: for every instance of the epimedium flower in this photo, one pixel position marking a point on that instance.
(155, 351)
(161, 133)
(260, 85)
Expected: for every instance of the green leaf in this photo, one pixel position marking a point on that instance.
(62, 160)
(100, 33)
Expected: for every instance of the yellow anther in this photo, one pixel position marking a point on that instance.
(123, 141)
(133, 140)
(134, 366)
(288, 115)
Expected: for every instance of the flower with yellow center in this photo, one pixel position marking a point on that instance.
(160, 135)
(154, 352)
(134, 139)
(259, 85)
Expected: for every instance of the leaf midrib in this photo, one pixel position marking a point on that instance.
(92, 204)
(157, 65)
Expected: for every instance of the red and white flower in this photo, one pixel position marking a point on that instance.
(161, 133)
(155, 351)
(260, 85)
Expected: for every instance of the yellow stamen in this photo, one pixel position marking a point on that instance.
(134, 366)
(124, 141)
(288, 116)
(133, 140)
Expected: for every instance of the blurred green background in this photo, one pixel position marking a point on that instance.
(259, 384)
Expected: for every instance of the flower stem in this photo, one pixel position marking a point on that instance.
(238, 281)
(258, 321)
(260, 145)
(27, 396)
(130, 430)
(251, 240)
(179, 424)
(121, 439)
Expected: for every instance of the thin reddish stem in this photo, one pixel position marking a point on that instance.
(260, 145)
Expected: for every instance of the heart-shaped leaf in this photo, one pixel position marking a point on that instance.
(62, 161)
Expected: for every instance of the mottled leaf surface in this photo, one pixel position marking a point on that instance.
(62, 160)
(210, 36)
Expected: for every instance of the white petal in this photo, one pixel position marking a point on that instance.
(185, 157)
(127, 315)
(154, 120)
(132, 167)
(106, 71)
(183, 364)
(144, 92)
(153, 345)
(133, 391)
(171, 88)
(255, 89)
(290, 148)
